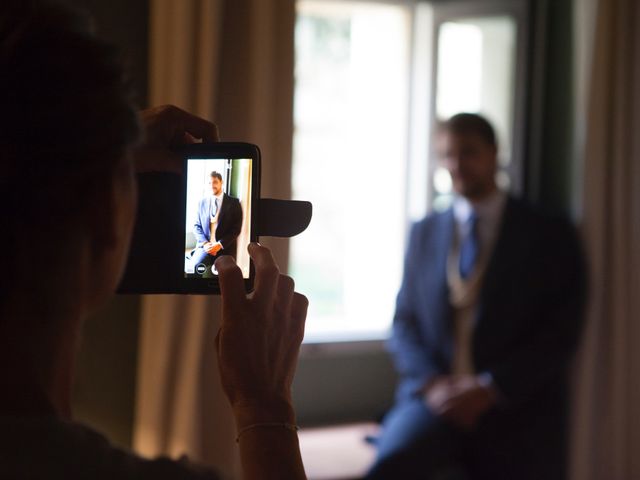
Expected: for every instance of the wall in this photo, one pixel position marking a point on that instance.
(340, 385)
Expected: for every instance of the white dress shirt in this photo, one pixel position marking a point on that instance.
(465, 293)
(489, 214)
(214, 220)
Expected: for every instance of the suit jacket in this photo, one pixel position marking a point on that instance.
(229, 223)
(530, 310)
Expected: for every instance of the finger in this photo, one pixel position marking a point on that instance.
(451, 404)
(267, 274)
(296, 333)
(231, 281)
(444, 409)
(198, 127)
(284, 298)
(190, 139)
(299, 308)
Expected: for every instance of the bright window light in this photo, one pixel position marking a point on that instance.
(460, 69)
(476, 71)
(350, 158)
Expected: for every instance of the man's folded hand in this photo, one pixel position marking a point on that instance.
(460, 398)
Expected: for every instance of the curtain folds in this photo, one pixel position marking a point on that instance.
(606, 436)
(230, 61)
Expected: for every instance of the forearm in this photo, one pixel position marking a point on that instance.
(229, 237)
(268, 442)
(198, 232)
(411, 357)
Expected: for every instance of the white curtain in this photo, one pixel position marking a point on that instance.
(606, 433)
(230, 61)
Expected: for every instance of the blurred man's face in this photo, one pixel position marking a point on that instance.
(216, 185)
(471, 161)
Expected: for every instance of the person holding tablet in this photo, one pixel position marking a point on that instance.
(69, 148)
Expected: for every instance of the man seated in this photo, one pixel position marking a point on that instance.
(487, 319)
(218, 224)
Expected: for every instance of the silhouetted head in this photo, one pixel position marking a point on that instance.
(66, 186)
(467, 146)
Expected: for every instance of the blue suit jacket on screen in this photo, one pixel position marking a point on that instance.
(530, 311)
(229, 223)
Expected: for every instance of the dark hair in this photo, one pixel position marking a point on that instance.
(66, 117)
(215, 174)
(470, 123)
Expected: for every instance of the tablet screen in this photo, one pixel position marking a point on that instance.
(218, 214)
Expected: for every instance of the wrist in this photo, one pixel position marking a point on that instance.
(255, 411)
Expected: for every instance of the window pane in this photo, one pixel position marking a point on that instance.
(476, 71)
(350, 155)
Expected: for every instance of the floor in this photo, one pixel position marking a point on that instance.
(337, 452)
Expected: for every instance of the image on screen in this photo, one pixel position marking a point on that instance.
(218, 214)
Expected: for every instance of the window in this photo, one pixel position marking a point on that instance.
(475, 73)
(371, 77)
(350, 147)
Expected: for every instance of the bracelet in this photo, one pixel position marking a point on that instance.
(288, 426)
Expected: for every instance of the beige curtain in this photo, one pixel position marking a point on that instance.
(606, 443)
(230, 61)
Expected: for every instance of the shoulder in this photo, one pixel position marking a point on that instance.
(432, 223)
(536, 220)
(429, 232)
(546, 234)
(52, 448)
(231, 199)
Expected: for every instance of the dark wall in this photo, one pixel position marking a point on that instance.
(104, 392)
(343, 386)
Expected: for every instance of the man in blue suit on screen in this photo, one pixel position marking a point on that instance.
(217, 226)
(487, 319)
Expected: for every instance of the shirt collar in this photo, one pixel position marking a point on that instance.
(488, 208)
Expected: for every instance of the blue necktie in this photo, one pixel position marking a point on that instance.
(470, 247)
(214, 207)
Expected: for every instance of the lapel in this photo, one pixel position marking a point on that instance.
(436, 306)
(432, 261)
(442, 244)
(205, 215)
(505, 252)
(223, 207)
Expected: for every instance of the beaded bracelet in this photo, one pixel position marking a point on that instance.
(288, 426)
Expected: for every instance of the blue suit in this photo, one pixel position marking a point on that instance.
(527, 325)
(227, 231)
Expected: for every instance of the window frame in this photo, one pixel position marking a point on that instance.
(524, 113)
(519, 10)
